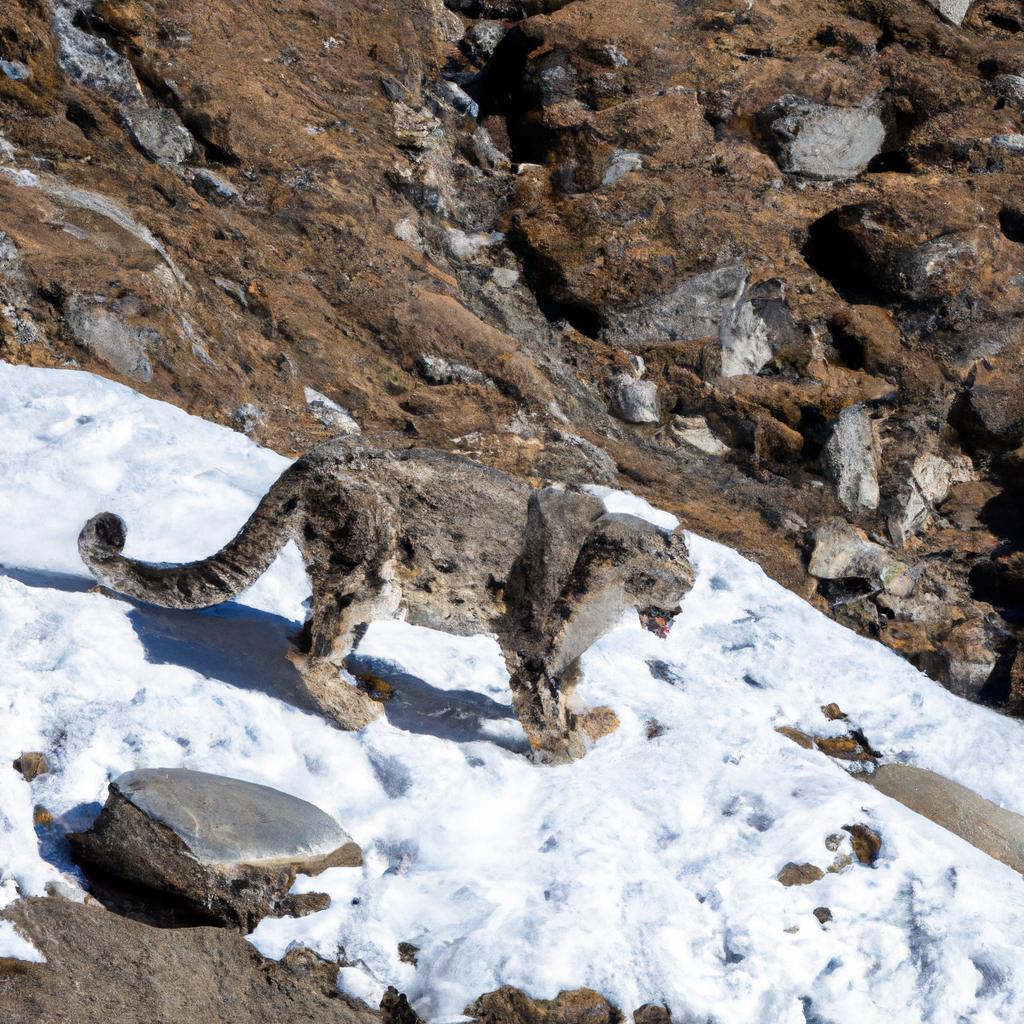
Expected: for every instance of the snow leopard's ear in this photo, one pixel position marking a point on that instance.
(105, 532)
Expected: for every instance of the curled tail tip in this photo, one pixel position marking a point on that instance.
(104, 534)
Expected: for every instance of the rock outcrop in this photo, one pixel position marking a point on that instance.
(459, 224)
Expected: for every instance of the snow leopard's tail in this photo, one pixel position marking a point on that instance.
(207, 582)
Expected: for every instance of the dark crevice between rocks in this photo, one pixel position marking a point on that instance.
(891, 161)
(829, 254)
(1011, 223)
(83, 118)
(1003, 22)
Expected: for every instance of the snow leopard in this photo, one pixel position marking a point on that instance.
(444, 542)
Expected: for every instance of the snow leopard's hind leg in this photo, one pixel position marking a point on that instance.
(348, 537)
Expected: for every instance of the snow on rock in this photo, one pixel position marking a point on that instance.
(647, 870)
(14, 947)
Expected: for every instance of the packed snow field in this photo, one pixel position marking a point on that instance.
(646, 870)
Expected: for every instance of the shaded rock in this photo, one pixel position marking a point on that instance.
(213, 187)
(990, 415)
(913, 507)
(105, 967)
(823, 142)
(159, 134)
(965, 658)
(395, 1008)
(571, 459)
(823, 914)
(980, 822)
(407, 953)
(652, 1013)
(635, 401)
(754, 328)
(799, 874)
(850, 459)
(693, 310)
(329, 413)
(228, 849)
(32, 765)
(121, 346)
(481, 40)
(841, 552)
(509, 1005)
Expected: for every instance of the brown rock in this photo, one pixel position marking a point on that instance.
(823, 914)
(833, 712)
(103, 968)
(32, 765)
(510, 1005)
(652, 1013)
(395, 1008)
(866, 842)
(407, 953)
(799, 874)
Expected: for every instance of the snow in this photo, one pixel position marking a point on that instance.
(646, 870)
(14, 947)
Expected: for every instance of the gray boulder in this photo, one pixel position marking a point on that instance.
(159, 134)
(980, 822)
(228, 850)
(89, 61)
(823, 142)
(850, 459)
(840, 553)
(691, 311)
(635, 401)
(954, 11)
(122, 347)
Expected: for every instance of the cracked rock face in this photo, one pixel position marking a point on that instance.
(851, 459)
(229, 850)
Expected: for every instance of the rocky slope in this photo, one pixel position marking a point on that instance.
(761, 262)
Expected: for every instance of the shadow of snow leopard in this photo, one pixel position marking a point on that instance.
(446, 543)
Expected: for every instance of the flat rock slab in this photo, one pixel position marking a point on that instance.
(225, 849)
(980, 822)
(225, 820)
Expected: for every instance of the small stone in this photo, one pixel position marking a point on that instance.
(652, 1013)
(302, 904)
(622, 163)
(835, 841)
(823, 142)
(850, 459)
(799, 874)
(823, 914)
(866, 843)
(438, 371)
(41, 816)
(329, 413)
(407, 953)
(487, 153)
(248, 417)
(159, 134)
(833, 712)
(1014, 142)
(481, 40)
(213, 187)
(653, 729)
(31, 765)
(227, 849)
(635, 401)
(15, 70)
(801, 739)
